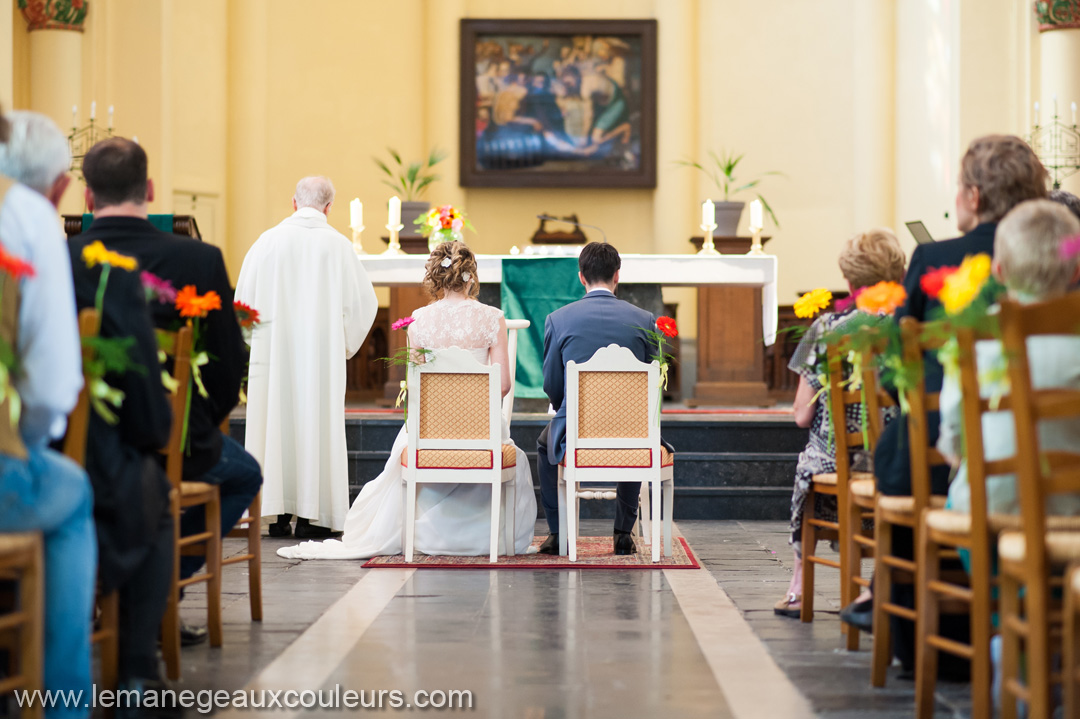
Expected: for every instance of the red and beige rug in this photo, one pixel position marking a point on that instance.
(593, 553)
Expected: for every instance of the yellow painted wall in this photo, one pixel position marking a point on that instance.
(865, 106)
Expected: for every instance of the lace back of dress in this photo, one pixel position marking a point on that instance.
(469, 325)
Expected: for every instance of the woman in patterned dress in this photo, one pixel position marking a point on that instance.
(867, 258)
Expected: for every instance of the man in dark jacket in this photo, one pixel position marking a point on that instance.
(118, 192)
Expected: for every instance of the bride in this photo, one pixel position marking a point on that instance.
(450, 519)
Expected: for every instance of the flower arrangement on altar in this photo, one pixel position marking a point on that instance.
(443, 224)
(11, 268)
(106, 355)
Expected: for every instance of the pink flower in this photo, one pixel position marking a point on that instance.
(157, 288)
(402, 323)
(457, 224)
(845, 304)
(1070, 248)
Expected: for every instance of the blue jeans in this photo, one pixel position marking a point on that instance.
(239, 476)
(52, 494)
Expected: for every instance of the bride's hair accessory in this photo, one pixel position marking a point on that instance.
(466, 276)
(446, 262)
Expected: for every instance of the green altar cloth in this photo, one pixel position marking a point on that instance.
(162, 222)
(532, 289)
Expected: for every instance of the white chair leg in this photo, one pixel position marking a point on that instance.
(496, 501)
(562, 488)
(572, 517)
(410, 518)
(644, 507)
(654, 485)
(510, 516)
(668, 512)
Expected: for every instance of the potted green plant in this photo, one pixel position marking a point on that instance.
(721, 170)
(410, 181)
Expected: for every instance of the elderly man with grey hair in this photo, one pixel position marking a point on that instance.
(316, 306)
(36, 155)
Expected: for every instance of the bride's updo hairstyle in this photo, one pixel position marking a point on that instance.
(451, 268)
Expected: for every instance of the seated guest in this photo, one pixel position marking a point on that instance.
(867, 258)
(118, 192)
(41, 490)
(131, 495)
(1028, 261)
(1068, 199)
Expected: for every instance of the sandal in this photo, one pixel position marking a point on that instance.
(789, 606)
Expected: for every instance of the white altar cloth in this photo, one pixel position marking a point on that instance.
(667, 270)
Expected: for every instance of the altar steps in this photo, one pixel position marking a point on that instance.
(728, 466)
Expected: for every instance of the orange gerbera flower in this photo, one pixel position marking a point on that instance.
(192, 304)
(14, 266)
(881, 299)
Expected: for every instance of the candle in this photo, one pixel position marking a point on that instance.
(756, 216)
(1055, 104)
(356, 214)
(74, 115)
(395, 211)
(708, 213)
(110, 116)
(1036, 113)
(1074, 113)
(93, 110)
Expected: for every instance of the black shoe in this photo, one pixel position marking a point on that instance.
(859, 615)
(550, 545)
(282, 527)
(306, 530)
(191, 635)
(624, 543)
(137, 704)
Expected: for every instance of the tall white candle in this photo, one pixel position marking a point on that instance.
(1074, 113)
(110, 116)
(395, 211)
(74, 115)
(93, 110)
(757, 218)
(356, 214)
(708, 213)
(1036, 113)
(1055, 104)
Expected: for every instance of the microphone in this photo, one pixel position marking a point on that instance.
(577, 224)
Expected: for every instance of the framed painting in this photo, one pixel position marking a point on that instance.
(558, 103)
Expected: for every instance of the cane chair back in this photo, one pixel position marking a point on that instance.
(184, 496)
(455, 437)
(1033, 558)
(22, 558)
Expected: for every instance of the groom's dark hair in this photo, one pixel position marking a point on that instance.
(599, 262)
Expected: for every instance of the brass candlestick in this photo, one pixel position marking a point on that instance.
(755, 246)
(358, 246)
(395, 246)
(708, 247)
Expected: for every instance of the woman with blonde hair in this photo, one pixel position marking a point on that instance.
(451, 519)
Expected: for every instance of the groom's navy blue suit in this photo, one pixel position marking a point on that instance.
(573, 334)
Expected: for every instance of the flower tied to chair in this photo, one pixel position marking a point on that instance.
(11, 268)
(194, 307)
(108, 355)
(406, 356)
(666, 328)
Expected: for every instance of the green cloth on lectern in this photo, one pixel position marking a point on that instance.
(531, 290)
(162, 222)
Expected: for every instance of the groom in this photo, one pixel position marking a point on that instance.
(574, 333)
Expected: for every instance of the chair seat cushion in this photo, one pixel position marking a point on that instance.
(1061, 547)
(640, 458)
(954, 522)
(459, 458)
(906, 504)
(865, 488)
(17, 541)
(190, 488)
(830, 477)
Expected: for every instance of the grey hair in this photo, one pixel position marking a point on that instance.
(1027, 247)
(315, 191)
(36, 152)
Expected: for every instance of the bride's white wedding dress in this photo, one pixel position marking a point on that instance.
(450, 519)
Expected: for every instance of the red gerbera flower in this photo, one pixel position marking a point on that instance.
(934, 280)
(14, 266)
(667, 326)
(246, 315)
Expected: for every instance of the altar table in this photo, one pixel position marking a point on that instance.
(730, 331)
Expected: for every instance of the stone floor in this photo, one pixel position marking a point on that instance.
(557, 643)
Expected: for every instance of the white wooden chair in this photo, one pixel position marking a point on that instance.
(613, 435)
(512, 327)
(455, 437)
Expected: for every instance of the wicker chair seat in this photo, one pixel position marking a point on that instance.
(906, 505)
(1061, 547)
(460, 458)
(830, 478)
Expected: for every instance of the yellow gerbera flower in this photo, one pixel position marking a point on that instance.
(812, 302)
(97, 254)
(964, 285)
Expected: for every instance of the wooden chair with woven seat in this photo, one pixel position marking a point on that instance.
(612, 423)
(249, 527)
(455, 437)
(834, 484)
(903, 511)
(1032, 560)
(107, 626)
(942, 532)
(186, 495)
(22, 559)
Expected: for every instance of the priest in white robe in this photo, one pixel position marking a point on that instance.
(316, 306)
